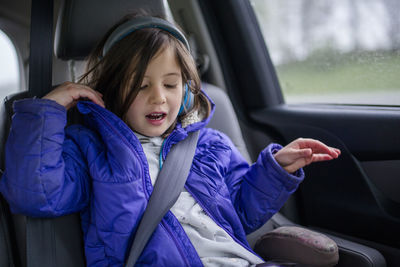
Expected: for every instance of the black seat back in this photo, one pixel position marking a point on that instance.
(81, 24)
(7, 257)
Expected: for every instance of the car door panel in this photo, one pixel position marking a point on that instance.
(347, 195)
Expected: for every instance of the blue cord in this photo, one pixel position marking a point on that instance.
(161, 159)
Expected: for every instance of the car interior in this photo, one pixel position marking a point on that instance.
(345, 200)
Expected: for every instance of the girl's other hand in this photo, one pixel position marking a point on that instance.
(68, 94)
(304, 151)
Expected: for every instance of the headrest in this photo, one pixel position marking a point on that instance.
(81, 24)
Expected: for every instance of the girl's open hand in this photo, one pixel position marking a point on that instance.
(302, 152)
(68, 94)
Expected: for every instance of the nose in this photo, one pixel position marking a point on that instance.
(157, 95)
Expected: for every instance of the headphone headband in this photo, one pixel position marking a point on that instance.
(135, 24)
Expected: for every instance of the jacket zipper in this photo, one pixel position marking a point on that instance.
(168, 229)
(165, 145)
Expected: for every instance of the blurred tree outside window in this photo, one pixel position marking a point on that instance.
(340, 52)
(9, 71)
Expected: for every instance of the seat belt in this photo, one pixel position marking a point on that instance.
(169, 185)
(40, 247)
(41, 47)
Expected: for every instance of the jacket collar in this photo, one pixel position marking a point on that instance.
(108, 124)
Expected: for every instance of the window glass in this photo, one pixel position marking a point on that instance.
(343, 51)
(9, 71)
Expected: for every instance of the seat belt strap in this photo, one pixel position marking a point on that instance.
(169, 185)
(41, 47)
(40, 232)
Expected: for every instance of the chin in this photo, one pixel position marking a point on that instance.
(153, 133)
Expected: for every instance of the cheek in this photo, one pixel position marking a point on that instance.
(129, 117)
(178, 99)
(132, 111)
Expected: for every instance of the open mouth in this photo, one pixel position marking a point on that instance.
(156, 116)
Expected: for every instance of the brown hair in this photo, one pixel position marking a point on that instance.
(119, 74)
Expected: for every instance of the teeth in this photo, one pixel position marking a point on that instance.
(155, 116)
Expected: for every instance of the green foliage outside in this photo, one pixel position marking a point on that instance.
(327, 72)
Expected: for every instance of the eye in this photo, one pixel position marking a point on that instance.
(143, 86)
(171, 86)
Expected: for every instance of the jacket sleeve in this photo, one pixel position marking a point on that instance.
(45, 171)
(260, 190)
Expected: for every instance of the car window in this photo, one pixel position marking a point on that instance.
(9, 70)
(341, 52)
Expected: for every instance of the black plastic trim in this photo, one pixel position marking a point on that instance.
(250, 73)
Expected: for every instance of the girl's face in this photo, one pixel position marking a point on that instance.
(157, 104)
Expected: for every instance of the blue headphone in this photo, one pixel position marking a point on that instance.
(188, 99)
(138, 23)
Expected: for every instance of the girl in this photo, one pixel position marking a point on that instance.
(136, 80)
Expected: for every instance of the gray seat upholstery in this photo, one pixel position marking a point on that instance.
(225, 119)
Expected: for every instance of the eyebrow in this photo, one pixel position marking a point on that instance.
(168, 74)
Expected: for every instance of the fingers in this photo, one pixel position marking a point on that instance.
(69, 93)
(320, 151)
(317, 147)
(321, 157)
(304, 161)
(87, 92)
(338, 152)
(297, 164)
(304, 151)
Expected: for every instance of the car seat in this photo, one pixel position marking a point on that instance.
(58, 242)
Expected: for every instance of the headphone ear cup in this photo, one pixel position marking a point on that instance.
(188, 100)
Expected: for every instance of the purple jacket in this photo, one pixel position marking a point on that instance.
(100, 170)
